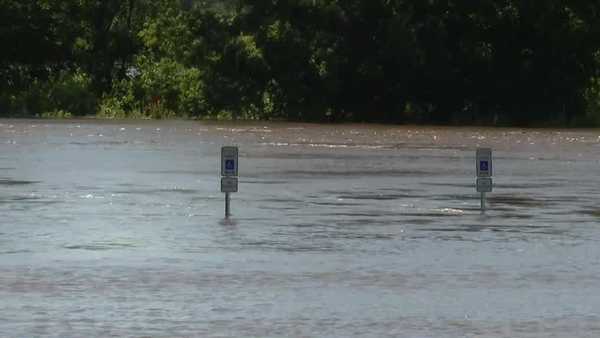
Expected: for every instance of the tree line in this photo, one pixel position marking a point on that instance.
(501, 62)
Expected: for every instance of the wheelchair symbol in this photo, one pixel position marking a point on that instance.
(484, 166)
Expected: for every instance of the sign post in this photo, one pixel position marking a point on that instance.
(483, 161)
(229, 175)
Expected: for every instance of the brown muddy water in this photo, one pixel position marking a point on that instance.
(116, 229)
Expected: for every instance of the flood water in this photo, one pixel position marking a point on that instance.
(117, 229)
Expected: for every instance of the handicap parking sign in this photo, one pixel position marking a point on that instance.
(229, 165)
(484, 165)
(484, 162)
(229, 161)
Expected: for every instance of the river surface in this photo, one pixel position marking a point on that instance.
(117, 229)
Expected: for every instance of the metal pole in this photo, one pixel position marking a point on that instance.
(483, 202)
(227, 209)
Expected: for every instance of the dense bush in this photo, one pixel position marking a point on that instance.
(156, 89)
(64, 94)
(492, 61)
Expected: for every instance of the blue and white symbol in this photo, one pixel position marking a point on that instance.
(484, 165)
(229, 165)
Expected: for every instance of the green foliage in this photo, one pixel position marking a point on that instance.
(56, 114)
(156, 89)
(70, 92)
(592, 102)
(64, 94)
(492, 61)
(113, 107)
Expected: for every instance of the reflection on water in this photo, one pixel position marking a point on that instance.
(116, 228)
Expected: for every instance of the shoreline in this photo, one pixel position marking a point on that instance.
(542, 126)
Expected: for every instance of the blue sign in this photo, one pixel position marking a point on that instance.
(229, 161)
(484, 165)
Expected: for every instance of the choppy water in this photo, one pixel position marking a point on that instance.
(116, 229)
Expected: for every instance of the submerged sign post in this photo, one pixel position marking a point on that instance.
(483, 161)
(229, 174)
